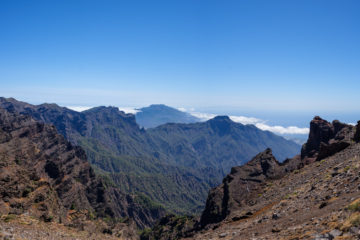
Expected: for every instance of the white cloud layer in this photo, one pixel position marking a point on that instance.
(182, 109)
(354, 124)
(129, 110)
(282, 130)
(259, 123)
(78, 108)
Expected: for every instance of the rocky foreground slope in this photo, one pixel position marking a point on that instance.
(297, 199)
(43, 176)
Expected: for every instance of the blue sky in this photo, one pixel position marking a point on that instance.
(255, 58)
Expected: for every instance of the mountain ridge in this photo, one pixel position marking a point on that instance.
(117, 147)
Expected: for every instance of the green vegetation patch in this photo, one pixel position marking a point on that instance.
(145, 201)
(354, 207)
(9, 217)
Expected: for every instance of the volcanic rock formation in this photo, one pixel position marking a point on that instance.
(325, 139)
(228, 197)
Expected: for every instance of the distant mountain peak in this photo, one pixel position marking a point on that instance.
(219, 118)
(158, 114)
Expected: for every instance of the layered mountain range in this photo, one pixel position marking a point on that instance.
(173, 164)
(43, 176)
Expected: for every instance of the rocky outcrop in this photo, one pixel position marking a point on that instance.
(228, 197)
(291, 164)
(44, 175)
(357, 133)
(325, 139)
(172, 227)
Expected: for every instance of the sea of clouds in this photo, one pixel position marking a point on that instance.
(259, 123)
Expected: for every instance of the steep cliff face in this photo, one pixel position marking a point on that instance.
(228, 197)
(46, 176)
(325, 139)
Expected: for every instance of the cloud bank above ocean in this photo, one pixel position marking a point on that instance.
(259, 123)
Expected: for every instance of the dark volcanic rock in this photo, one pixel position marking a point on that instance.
(357, 133)
(326, 139)
(45, 175)
(228, 197)
(172, 227)
(291, 164)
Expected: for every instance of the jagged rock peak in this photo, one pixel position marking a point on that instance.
(324, 134)
(261, 166)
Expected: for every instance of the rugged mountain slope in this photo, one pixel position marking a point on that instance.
(219, 143)
(43, 175)
(158, 114)
(292, 200)
(116, 146)
(319, 201)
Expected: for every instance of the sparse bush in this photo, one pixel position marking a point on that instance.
(9, 217)
(73, 206)
(355, 221)
(91, 215)
(354, 207)
(270, 184)
(296, 171)
(347, 168)
(26, 192)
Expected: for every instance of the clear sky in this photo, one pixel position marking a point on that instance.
(288, 57)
